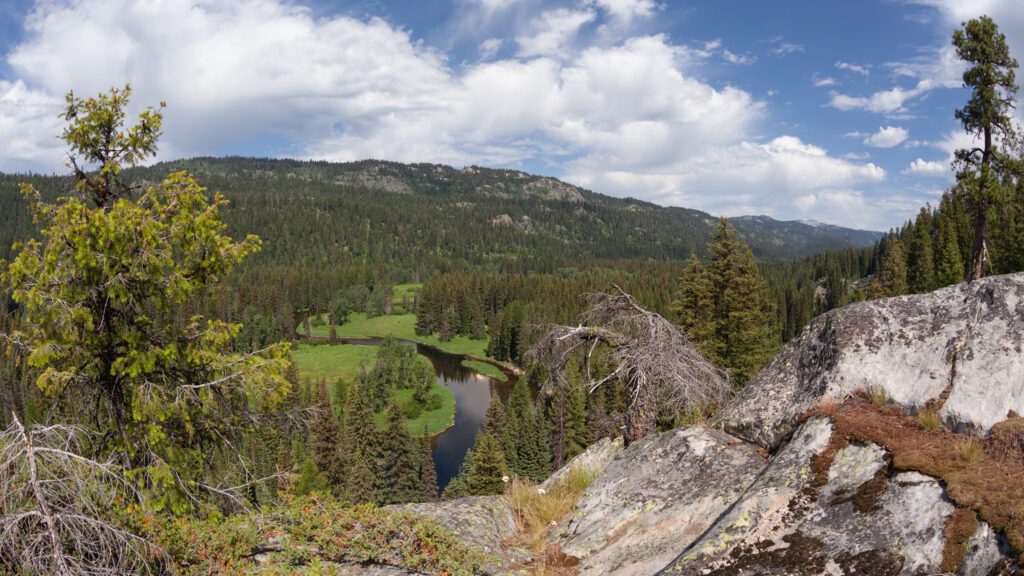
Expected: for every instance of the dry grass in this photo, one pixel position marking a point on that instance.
(877, 395)
(537, 511)
(929, 419)
(968, 449)
(978, 477)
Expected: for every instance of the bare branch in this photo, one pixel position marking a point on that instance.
(662, 369)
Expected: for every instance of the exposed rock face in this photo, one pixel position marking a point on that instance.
(656, 498)
(483, 521)
(905, 346)
(595, 458)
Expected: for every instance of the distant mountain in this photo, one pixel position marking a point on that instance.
(428, 216)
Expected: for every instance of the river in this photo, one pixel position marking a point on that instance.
(472, 392)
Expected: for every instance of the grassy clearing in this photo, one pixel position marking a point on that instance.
(331, 362)
(401, 326)
(486, 369)
(317, 361)
(399, 292)
(437, 420)
(983, 476)
(537, 511)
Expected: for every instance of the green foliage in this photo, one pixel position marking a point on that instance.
(325, 438)
(892, 273)
(726, 309)
(311, 532)
(987, 115)
(103, 295)
(358, 439)
(485, 467)
(428, 472)
(399, 479)
(310, 480)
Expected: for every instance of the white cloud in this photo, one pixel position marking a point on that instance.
(822, 81)
(780, 47)
(887, 137)
(627, 116)
(737, 58)
(921, 167)
(625, 11)
(856, 68)
(489, 48)
(553, 32)
(28, 128)
(885, 101)
(773, 178)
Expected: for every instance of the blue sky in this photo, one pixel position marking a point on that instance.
(835, 111)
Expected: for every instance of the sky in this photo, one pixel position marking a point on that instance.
(840, 112)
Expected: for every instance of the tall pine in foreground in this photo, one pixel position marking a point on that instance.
(325, 439)
(399, 479)
(725, 307)
(428, 472)
(359, 470)
(485, 467)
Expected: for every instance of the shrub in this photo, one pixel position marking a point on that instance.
(929, 419)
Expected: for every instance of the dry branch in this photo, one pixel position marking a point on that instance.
(661, 368)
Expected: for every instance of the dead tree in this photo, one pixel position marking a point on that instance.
(55, 508)
(661, 368)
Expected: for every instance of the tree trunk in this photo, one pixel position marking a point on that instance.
(641, 415)
(977, 269)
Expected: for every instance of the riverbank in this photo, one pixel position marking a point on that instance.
(345, 361)
(403, 326)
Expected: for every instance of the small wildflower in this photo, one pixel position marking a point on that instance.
(541, 491)
(504, 479)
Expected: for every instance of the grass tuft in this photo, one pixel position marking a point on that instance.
(538, 510)
(929, 419)
(967, 449)
(877, 396)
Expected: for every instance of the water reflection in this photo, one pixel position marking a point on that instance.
(472, 392)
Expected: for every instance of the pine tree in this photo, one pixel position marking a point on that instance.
(428, 472)
(988, 116)
(399, 478)
(310, 480)
(920, 258)
(892, 272)
(486, 467)
(325, 439)
(743, 331)
(949, 267)
(358, 436)
(695, 306)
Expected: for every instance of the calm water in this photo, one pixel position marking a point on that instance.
(472, 392)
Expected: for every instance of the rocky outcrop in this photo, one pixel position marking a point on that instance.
(656, 498)
(961, 346)
(788, 487)
(485, 522)
(595, 459)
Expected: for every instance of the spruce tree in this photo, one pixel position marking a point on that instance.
(428, 472)
(486, 467)
(359, 434)
(400, 463)
(695, 305)
(743, 331)
(310, 480)
(920, 259)
(892, 272)
(949, 265)
(325, 438)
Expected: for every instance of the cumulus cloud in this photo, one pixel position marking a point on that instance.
(884, 101)
(822, 81)
(921, 167)
(887, 137)
(774, 178)
(625, 11)
(553, 32)
(629, 116)
(856, 68)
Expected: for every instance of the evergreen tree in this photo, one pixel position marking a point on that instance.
(892, 272)
(428, 472)
(325, 438)
(359, 434)
(310, 480)
(695, 306)
(949, 267)
(988, 115)
(920, 260)
(399, 478)
(486, 467)
(743, 331)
